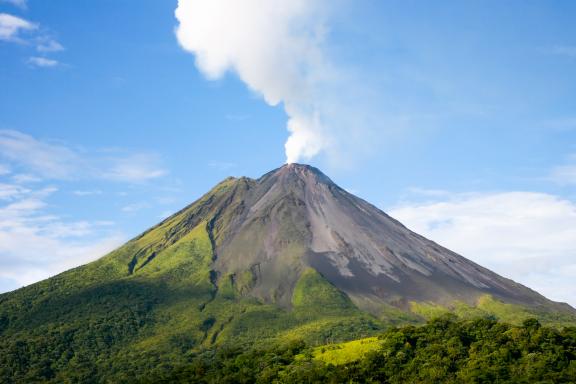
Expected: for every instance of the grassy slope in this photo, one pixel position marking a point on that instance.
(347, 352)
(490, 307)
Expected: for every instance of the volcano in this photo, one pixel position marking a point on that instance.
(295, 218)
(289, 255)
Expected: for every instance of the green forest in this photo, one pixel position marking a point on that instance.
(444, 350)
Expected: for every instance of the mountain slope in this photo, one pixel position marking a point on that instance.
(295, 217)
(285, 257)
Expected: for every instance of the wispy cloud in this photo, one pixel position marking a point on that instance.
(46, 44)
(35, 244)
(54, 160)
(134, 168)
(18, 30)
(43, 62)
(11, 191)
(529, 237)
(48, 159)
(11, 27)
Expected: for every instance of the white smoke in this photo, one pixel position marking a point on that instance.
(276, 48)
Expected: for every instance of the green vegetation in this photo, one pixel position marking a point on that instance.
(489, 307)
(428, 310)
(442, 351)
(343, 353)
(313, 293)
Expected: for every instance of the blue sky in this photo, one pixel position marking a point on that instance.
(458, 118)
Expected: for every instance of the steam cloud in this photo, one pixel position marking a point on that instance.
(276, 48)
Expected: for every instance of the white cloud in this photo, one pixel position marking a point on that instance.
(11, 26)
(52, 160)
(46, 45)
(15, 29)
(11, 191)
(47, 159)
(35, 245)
(134, 168)
(42, 62)
(529, 237)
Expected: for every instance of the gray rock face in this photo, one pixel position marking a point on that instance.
(295, 217)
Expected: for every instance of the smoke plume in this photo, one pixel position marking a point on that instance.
(276, 48)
